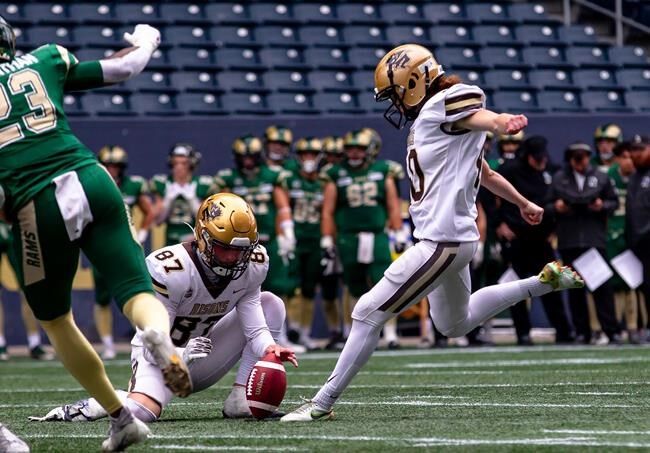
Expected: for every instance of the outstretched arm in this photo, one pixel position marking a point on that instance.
(498, 123)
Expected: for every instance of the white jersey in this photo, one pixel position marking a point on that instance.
(195, 304)
(444, 165)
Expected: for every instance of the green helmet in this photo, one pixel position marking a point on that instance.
(279, 134)
(308, 145)
(113, 155)
(358, 139)
(609, 131)
(375, 142)
(333, 145)
(7, 41)
(247, 145)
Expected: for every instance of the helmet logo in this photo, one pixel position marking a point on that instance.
(214, 211)
(398, 60)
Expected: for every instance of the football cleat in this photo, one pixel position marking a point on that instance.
(38, 353)
(236, 405)
(308, 412)
(86, 410)
(4, 355)
(10, 442)
(560, 277)
(125, 430)
(108, 354)
(174, 370)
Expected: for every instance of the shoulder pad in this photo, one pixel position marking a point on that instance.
(258, 266)
(462, 100)
(395, 169)
(205, 180)
(167, 278)
(136, 179)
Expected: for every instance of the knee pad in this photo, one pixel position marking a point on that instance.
(140, 412)
(366, 311)
(274, 311)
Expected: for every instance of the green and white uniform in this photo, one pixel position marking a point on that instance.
(183, 204)
(5, 243)
(360, 218)
(257, 190)
(59, 199)
(616, 223)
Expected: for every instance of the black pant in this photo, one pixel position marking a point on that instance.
(527, 257)
(642, 251)
(603, 300)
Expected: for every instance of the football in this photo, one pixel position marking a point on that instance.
(266, 386)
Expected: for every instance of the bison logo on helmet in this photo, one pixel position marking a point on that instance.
(398, 60)
(214, 211)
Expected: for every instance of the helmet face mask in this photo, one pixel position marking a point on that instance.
(309, 151)
(7, 41)
(225, 260)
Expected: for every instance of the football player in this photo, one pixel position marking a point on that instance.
(606, 138)
(360, 197)
(211, 287)
(60, 201)
(178, 195)
(445, 166)
(277, 148)
(134, 191)
(507, 145)
(333, 150)
(9, 442)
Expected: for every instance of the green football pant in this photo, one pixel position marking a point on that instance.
(360, 277)
(96, 221)
(102, 294)
(277, 280)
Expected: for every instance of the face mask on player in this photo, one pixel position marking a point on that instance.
(309, 166)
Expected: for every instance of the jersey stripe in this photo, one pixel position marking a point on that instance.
(461, 105)
(65, 55)
(159, 287)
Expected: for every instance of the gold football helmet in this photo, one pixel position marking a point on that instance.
(311, 145)
(277, 143)
(512, 138)
(226, 234)
(113, 155)
(375, 142)
(333, 145)
(404, 76)
(609, 131)
(359, 139)
(247, 146)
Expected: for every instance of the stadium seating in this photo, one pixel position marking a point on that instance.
(249, 52)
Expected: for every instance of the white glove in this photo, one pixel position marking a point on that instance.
(143, 235)
(400, 241)
(477, 259)
(328, 253)
(287, 240)
(144, 36)
(197, 348)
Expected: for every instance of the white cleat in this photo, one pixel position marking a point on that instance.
(174, 370)
(560, 277)
(125, 430)
(108, 354)
(308, 412)
(9, 442)
(236, 405)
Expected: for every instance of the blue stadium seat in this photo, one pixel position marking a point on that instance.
(193, 81)
(588, 57)
(501, 57)
(251, 103)
(366, 101)
(639, 100)
(358, 12)
(330, 80)
(224, 36)
(13, 13)
(604, 101)
(138, 13)
(336, 103)
(105, 104)
(366, 57)
(471, 76)
(276, 35)
(515, 101)
(577, 35)
(236, 58)
(629, 56)
(402, 13)
(315, 13)
(186, 35)
(290, 81)
(282, 58)
(508, 80)
(634, 78)
(501, 35)
(363, 80)
(560, 101)
(551, 78)
(148, 81)
(537, 34)
(92, 13)
(458, 57)
(488, 13)
(182, 13)
(191, 58)
(445, 13)
(364, 35)
(160, 61)
(73, 105)
(298, 103)
(451, 35)
(544, 57)
(200, 104)
(595, 78)
(154, 104)
(49, 34)
(248, 81)
(320, 35)
(92, 53)
(46, 13)
(97, 36)
(324, 58)
(404, 34)
(270, 13)
(227, 13)
(529, 13)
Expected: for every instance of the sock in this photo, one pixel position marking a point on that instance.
(390, 330)
(140, 412)
(31, 324)
(332, 315)
(307, 314)
(107, 341)
(144, 310)
(2, 326)
(103, 321)
(33, 340)
(246, 364)
(348, 306)
(294, 311)
(3, 342)
(81, 360)
(361, 343)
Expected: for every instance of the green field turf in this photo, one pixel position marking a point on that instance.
(500, 399)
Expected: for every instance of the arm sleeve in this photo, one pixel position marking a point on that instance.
(84, 76)
(463, 100)
(122, 68)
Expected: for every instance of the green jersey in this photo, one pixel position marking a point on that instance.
(306, 197)
(257, 190)
(616, 221)
(291, 165)
(36, 143)
(131, 188)
(182, 210)
(360, 196)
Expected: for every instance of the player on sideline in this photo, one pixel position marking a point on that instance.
(445, 166)
(214, 280)
(60, 200)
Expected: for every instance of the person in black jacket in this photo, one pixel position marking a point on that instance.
(582, 197)
(527, 247)
(637, 209)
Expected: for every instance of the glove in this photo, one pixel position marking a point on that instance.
(144, 36)
(400, 240)
(197, 348)
(142, 236)
(477, 259)
(287, 240)
(328, 260)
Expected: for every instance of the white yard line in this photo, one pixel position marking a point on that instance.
(224, 448)
(597, 432)
(530, 362)
(599, 393)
